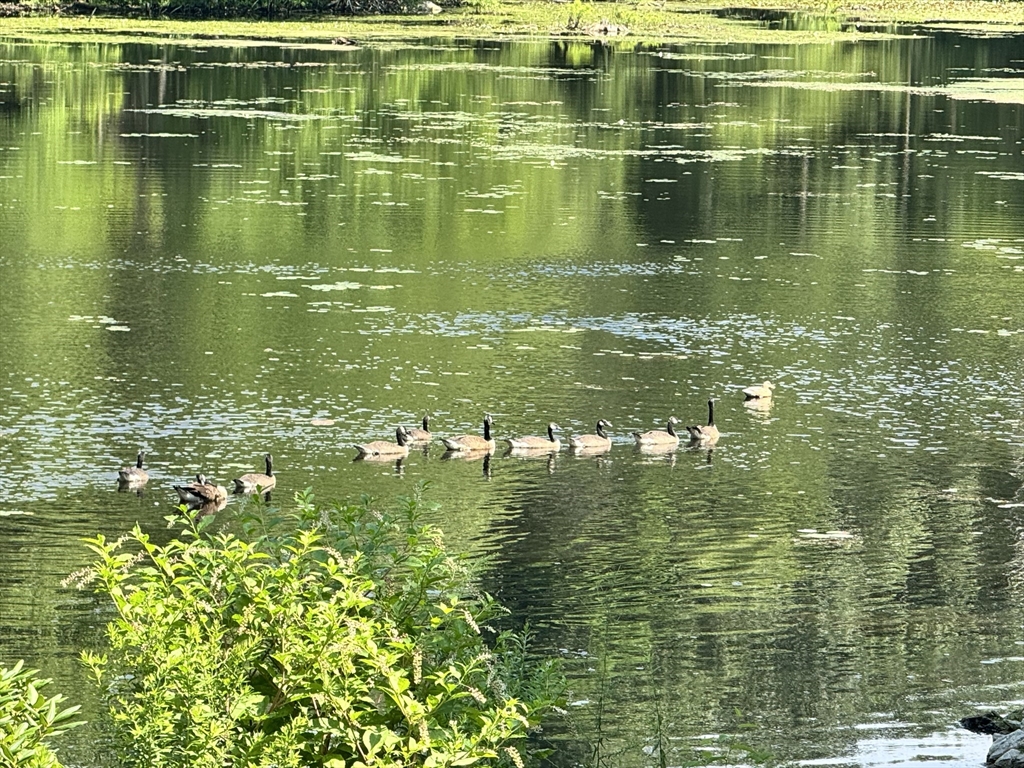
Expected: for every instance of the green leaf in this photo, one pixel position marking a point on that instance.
(246, 705)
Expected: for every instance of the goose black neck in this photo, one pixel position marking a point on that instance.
(600, 430)
(426, 424)
(671, 429)
(400, 436)
(711, 413)
(270, 465)
(487, 429)
(138, 461)
(551, 434)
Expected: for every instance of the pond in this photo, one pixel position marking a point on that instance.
(215, 250)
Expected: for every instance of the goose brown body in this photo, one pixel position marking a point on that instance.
(599, 441)
(534, 443)
(472, 442)
(252, 482)
(201, 491)
(659, 437)
(384, 448)
(134, 475)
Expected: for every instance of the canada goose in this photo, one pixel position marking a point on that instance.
(659, 437)
(707, 433)
(187, 493)
(384, 448)
(472, 442)
(201, 491)
(416, 435)
(533, 443)
(253, 482)
(759, 391)
(134, 475)
(598, 442)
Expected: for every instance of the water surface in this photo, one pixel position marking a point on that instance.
(212, 253)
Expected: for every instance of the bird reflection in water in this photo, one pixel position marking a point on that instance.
(199, 511)
(759, 408)
(138, 490)
(471, 456)
(656, 454)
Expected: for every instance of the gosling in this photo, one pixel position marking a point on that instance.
(759, 391)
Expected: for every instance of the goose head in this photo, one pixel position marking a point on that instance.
(401, 435)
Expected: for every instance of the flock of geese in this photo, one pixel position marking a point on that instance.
(202, 492)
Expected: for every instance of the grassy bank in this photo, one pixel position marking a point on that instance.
(645, 21)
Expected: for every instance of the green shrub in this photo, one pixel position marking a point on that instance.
(27, 718)
(334, 636)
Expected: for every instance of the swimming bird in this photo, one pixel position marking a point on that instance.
(188, 493)
(705, 434)
(384, 448)
(201, 491)
(534, 443)
(253, 482)
(472, 442)
(134, 475)
(598, 442)
(759, 391)
(417, 435)
(660, 438)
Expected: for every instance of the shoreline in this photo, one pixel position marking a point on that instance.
(630, 23)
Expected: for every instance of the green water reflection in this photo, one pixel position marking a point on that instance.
(214, 253)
